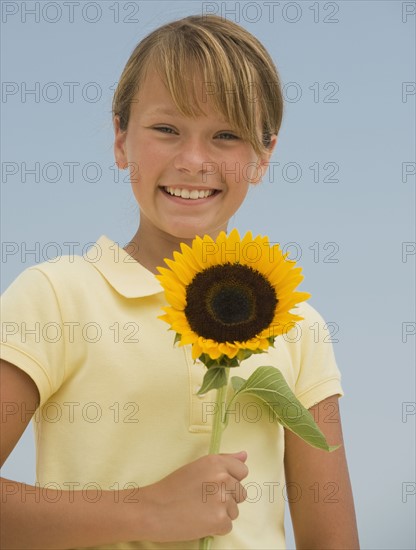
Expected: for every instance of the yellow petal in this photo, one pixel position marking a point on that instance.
(176, 301)
(267, 259)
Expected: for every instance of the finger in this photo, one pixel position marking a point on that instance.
(241, 494)
(241, 455)
(232, 509)
(233, 490)
(236, 468)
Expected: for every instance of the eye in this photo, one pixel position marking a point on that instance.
(163, 128)
(228, 136)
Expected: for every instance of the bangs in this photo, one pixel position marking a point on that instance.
(186, 67)
(205, 59)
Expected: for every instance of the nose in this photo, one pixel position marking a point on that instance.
(193, 156)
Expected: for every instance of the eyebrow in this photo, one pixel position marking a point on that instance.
(158, 111)
(163, 111)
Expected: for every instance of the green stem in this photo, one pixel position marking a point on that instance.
(218, 420)
(205, 543)
(214, 446)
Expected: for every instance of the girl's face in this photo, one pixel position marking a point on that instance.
(189, 176)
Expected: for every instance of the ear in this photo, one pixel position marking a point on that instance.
(264, 160)
(119, 144)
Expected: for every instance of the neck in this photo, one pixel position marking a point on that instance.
(150, 248)
(150, 252)
(150, 245)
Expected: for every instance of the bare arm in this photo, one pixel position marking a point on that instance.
(318, 485)
(169, 510)
(31, 517)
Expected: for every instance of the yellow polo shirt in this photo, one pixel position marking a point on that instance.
(118, 400)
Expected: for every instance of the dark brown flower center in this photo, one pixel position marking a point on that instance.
(230, 302)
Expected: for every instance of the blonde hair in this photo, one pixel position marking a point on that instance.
(238, 74)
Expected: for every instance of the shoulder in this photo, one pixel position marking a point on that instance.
(66, 269)
(104, 269)
(311, 339)
(61, 276)
(309, 313)
(310, 328)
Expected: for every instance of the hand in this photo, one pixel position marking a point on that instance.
(197, 500)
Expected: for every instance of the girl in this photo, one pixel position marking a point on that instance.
(121, 433)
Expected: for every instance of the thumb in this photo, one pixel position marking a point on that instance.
(241, 455)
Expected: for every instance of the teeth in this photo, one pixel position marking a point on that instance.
(186, 194)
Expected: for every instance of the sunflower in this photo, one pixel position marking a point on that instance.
(230, 297)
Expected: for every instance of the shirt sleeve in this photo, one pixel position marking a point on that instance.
(32, 336)
(318, 375)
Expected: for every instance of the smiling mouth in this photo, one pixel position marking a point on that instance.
(193, 194)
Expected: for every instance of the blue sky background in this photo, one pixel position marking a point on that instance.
(340, 195)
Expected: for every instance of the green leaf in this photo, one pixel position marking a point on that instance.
(222, 361)
(237, 382)
(246, 353)
(215, 377)
(243, 354)
(206, 359)
(269, 385)
(233, 362)
(177, 338)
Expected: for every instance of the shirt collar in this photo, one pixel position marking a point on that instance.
(127, 276)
